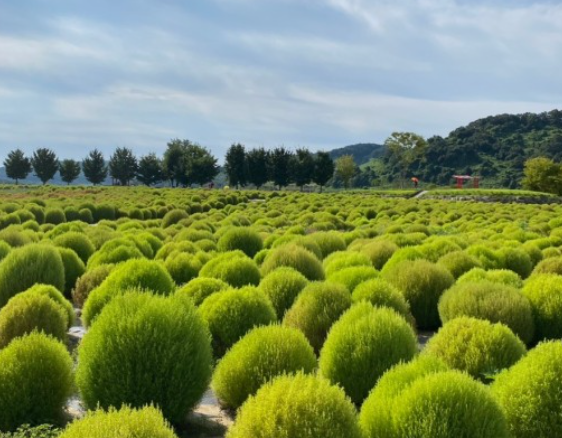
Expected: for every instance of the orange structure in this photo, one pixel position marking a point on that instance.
(462, 178)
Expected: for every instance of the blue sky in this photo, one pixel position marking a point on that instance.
(78, 74)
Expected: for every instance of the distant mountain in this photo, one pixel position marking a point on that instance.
(362, 153)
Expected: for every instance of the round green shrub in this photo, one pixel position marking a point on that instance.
(183, 267)
(493, 302)
(296, 257)
(28, 312)
(487, 257)
(114, 252)
(476, 346)
(73, 269)
(379, 252)
(301, 406)
(317, 307)
(86, 215)
(344, 259)
(104, 212)
(328, 242)
(54, 216)
(233, 313)
(78, 242)
(145, 349)
(381, 293)
(442, 405)
(199, 289)
(26, 266)
(458, 263)
(146, 422)
(422, 283)
(516, 260)
(282, 286)
(133, 274)
(54, 294)
(244, 239)
(4, 250)
(36, 380)
(551, 265)
(261, 355)
(353, 276)
(173, 217)
(544, 292)
(502, 276)
(234, 268)
(363, 344)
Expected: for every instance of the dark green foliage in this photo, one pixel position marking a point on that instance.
(258, 166)
(73, 269)
(173, 217)
(232, 313)
(490, 301)
(149, 171)
(516, 260)
(88, 282)
(244, 239)
(45, 164)
(17, 165)
(146, 422)
(476, 346)
(78, 242)
(323, 169)
(55, 216)
(27, 431)
(296, 257)
(234, 268)
(530, 395)
(544, 292)
(123, 166)
(282, 286)
(303, 406)
(317, 307)
(279, 166)
(301, 167)
(94, 167)
(422, 283)
(261, 355)
(363, 344)
(236, 165)
(199, 289)
(27, 266)
(36, 379)
(69, 170)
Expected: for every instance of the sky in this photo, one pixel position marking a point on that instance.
(77, 75)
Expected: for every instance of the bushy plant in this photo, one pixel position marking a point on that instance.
(232, 313)
(344, 259)
(516, 260)
(26, 266)
(27, 431)
(199, 289)
(282, 286)
(379, 251)
(493, 302)
(317, 307)
(146, 422)
(36, 379)
(78, 242)
(363, 344)
(422, 283)
(145, 349)
(328, 242)
(73, 269)
(234, 268)
(502, 276)
(296, 257)
(476, 346)
(54, 216)
(173, 217)
(54, 294)
(240, 238)
(183, 267)
(487, 257)
(353, 276)
(261, 355)
(302, 406)
(380, 293)
(552, 265)
(114, 252)
(134, 274)
(458, 263)
(4, 249)
(544, 292)
(529, 393)
(88, 282)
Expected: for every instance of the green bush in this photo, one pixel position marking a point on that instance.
(353, 276)
(244, 239)
(27, 431)
(487, 257)
(54, 216)
(282, 286)
(493, 302)
(302, 406)
(502, 276)
(516, 260)
(437, 405)
(318, 306)
(73, 269)
(183, 267)
(476, 346)
(173, 217)
(36, 379)
(363, 344)
(551, 265)
(78, 242)
(381, 293)
(88, 282)
(458, 263)
(234, 312)
(544, 292)
(134, 274)
(344, 259)
(4, 250)
(261, 355)
(114, 252)
(422, 283)
(54, 294)
(199, 289)
(529, 393)
(86, 215)
(146, 422)
(296, 257)
(234, 268)
(145, 349)
(328, 242)
(379, 252)
(26, 266)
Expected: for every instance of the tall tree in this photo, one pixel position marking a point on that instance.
(405, 148)
(258, 167)
(150, 170)
(123, 166)
(45, 164)
(346, 169)
(69, 170)
(323, 169)
(94, 167)
(543, 175)
(236, 165)
(302, 167)
(279, 162)
(17, 165)
(200, 165)
(174, 164)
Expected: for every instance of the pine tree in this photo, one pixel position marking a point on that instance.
(69, 170)
(123, 166)
(236, 165)
(17, 165)
(94, 167)
(45, 164)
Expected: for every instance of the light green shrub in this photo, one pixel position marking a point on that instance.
(234, 268)
(244, 239)
(353, 276)
(183, 267)
(544, 292)
(89, 281)
(282, 286)
(73, 269)
(199, 289)
(458, 263)
(296, 257)
(78, 242)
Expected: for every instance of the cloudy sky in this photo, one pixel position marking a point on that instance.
(79, 74)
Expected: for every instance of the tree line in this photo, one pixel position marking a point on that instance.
(183, 164)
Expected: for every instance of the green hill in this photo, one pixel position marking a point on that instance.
(362, 153)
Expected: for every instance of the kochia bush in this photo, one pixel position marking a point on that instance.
(234, 268)
(88, 282)
(73, 269)
(544, 292)
(282, 286)
(353, 276)
(78, 242)
(199, 289)
(244, 239)
(296, 257)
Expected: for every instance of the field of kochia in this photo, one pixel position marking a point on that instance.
(302, 312)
